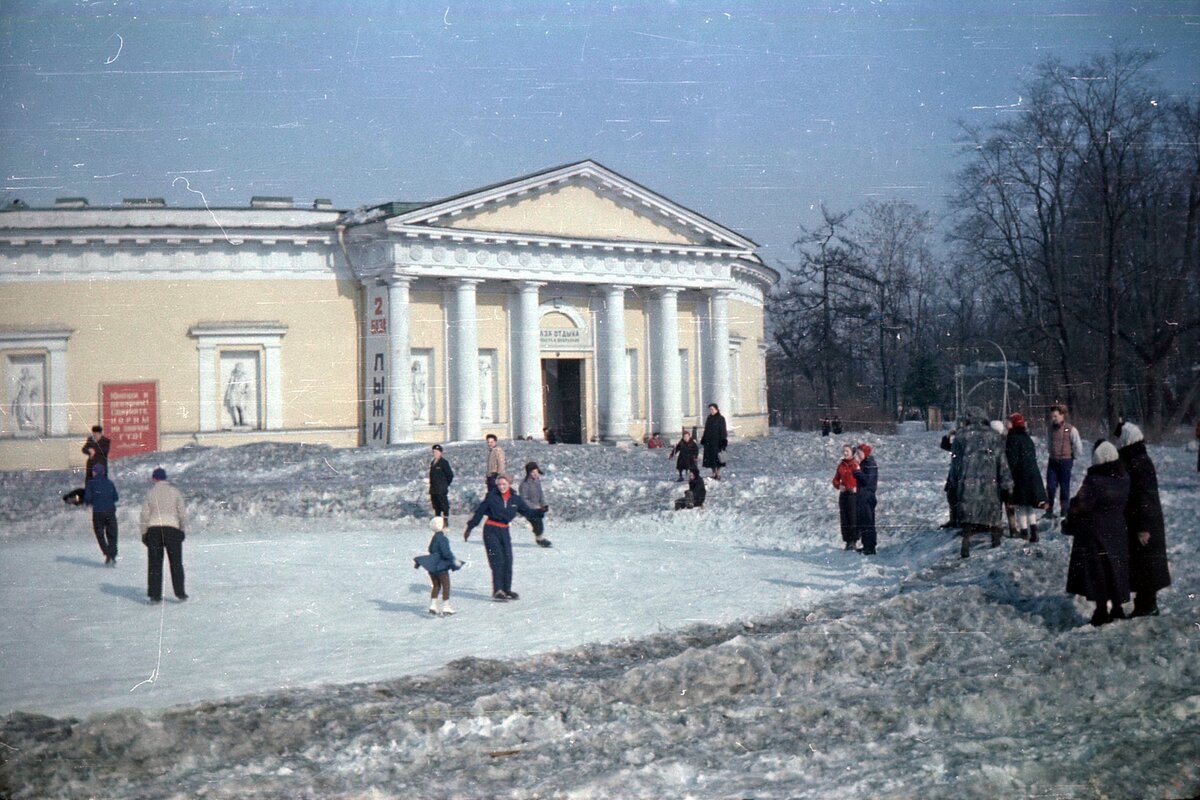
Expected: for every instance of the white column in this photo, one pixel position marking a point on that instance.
(666, 318)
(58, 422)
(273, 372)
(718, 350)
(614, 384)
(400, 420)
(526, 360)
(464, 361)
(207, 360)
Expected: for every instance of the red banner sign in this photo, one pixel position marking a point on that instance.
(129, 414)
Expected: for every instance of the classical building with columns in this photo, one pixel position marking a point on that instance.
(572, 299)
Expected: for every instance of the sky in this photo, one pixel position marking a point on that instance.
(751, 113)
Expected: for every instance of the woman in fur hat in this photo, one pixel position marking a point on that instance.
(1148, 571)
(1099, 565)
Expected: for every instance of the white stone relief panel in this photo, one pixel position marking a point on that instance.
(488, 385)
(240, 381)
(420, 373)
(25, 395)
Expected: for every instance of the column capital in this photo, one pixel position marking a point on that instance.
(663, 291)
(395, 277)
(527, 286)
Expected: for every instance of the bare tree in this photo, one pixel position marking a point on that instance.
(810, 307)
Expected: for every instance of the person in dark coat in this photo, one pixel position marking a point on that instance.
(441, 475)
(866, 478)
(844, 482)
(1028, 492)
(501, 506)
(101, 495)
(1148, 570)
(438, 563)
(836, 425)
(1099, 565)
(695, 494)
(951, 486)
(714, 440)
(825, 427)
(96, 449)
(685, 452)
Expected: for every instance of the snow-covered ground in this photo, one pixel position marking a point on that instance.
(734, 651)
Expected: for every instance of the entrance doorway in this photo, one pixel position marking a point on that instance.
(562, 398)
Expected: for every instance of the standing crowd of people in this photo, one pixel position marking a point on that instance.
(1115, 519)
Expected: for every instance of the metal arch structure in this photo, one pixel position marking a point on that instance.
(971, 379)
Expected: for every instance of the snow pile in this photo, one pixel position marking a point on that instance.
(913, 674)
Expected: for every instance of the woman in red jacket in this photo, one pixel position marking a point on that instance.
(844, 482)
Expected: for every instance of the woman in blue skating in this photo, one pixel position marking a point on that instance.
(501, 506)
(439, 562)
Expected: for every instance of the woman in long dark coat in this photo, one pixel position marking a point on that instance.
(714, 440)
(1148, 571)
(1028, 492)
(1099, 565)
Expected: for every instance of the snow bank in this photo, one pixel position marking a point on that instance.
(926, 676)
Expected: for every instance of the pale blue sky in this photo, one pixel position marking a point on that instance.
(751, 113)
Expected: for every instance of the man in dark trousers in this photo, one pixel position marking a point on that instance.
(101, 495)
(96, 449)
(440, 478)
(164, 518)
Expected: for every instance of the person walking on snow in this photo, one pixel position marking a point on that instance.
(951, 486)
(845, 483)
(1099, 565)
(714, 440)
(866, 478)
(501, 506)
(1148, 570)
(1028, 493)
(495, 461)
(96, 449)
(438, 563)
(440, 477)
(685, 452)
(101, 495)
(531, 492)
(984, 480)
(1065, 446)
(164, 518)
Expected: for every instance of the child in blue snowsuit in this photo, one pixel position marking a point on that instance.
(101, 495)
(439, 562)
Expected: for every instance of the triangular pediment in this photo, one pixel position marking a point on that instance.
(584, 201)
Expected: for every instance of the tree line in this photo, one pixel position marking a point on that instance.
(1071, 239)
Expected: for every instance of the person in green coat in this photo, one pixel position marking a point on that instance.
(1028, 492)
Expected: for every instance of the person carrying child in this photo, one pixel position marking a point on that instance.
(439, 562)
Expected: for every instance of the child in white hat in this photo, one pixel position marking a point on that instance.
(439, 562)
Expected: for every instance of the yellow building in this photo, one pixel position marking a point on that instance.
(573, 299)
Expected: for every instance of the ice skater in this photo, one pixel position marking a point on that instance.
(531, 493)
(101, 495)
(164, 518)
(501, 506)
(439, 562)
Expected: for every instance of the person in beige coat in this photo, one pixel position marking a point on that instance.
(495, 462)
(164, 518)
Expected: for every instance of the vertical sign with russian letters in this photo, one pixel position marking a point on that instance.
(129, 414)
(376, 372)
